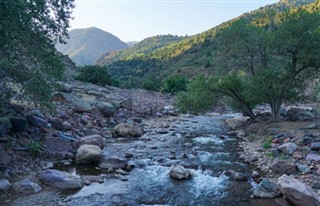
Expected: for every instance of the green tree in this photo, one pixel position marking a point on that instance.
(277, 60)
(174, 84)
(198, 98)
(95, 74)
(28, 31)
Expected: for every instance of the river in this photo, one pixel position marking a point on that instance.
(198, 143)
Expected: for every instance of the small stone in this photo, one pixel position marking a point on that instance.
(304, 169)
(266, 189)
(315, 146)
(4, 185)
(275, 141)
(275, 152)
(313, 157)
(288, 148)
(234, 175)
(287, 140)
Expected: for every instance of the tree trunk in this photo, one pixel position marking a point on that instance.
(275, 109)
(247, 111)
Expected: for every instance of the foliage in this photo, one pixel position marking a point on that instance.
(96, 75)
(34, 147)
(198, 98)
(277, 60)
(174, 84)
(190, 55)
(266, 144)
(149, 85)
(28, 31)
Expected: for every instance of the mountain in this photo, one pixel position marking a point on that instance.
(85, 45)
(187, 56)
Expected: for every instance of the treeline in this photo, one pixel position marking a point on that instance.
(186, 57)
(261, 63)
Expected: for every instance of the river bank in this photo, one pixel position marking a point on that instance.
(137, 138)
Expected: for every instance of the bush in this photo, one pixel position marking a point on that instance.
(267, 142)
(198, 98)
(34, 147)
(149, 85)
(174, 84)
(96, 75)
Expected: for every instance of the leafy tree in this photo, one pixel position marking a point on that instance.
(265, 64)
(198, 98)
(277, 60)
(28, 31)
(174, 84)
(95, 74)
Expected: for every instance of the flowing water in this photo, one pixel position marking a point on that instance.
(204, 152)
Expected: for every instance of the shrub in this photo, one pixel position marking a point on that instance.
(266, 144)
(149, 85)
(174, 84)
(34, 147)
(198, 98)
(96, 75)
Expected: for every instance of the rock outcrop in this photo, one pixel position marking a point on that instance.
(297, 192)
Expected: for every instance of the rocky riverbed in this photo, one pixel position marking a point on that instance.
(108, 146)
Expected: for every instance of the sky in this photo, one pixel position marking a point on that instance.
(135, 20)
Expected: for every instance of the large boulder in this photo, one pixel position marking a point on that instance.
(283, 167)
(266, 189)
(127, 104)
(299, 114)
(80, 105)
(19, 124)
(87, 154)
(288, 148)
(57, 145)
(26, 186)
(106, 108)
(60, 179)
(297, 192)
(93, 140)
(125, 130)
(179, 172)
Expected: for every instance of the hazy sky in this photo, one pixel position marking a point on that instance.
(134, 20)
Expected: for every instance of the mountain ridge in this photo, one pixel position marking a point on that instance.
(85, 45)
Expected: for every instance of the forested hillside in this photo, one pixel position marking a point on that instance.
(190, 56)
